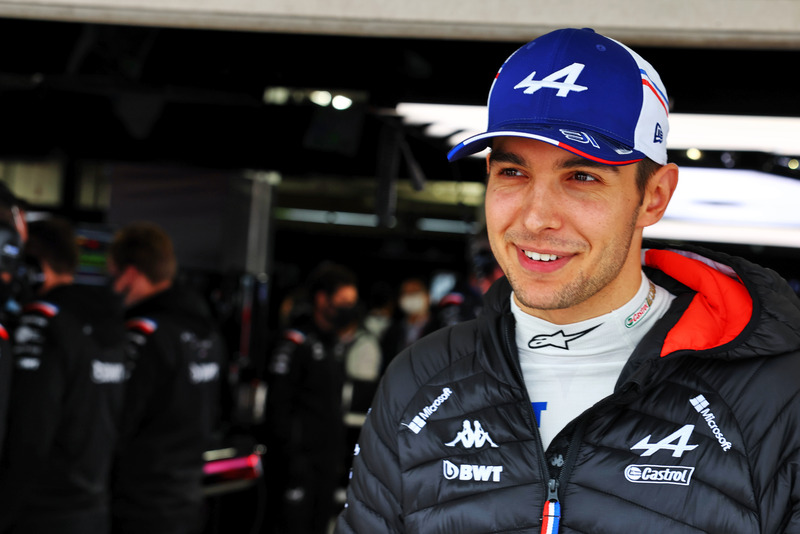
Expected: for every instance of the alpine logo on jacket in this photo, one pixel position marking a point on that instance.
(677, 442)
(421, 419)
(559, 340)
(476, 473)
(472, 436)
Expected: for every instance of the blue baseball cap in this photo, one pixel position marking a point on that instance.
(582, 92)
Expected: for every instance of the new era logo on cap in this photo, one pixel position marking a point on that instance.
(580, 91)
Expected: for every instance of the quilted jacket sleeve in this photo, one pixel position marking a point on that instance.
(374, 493)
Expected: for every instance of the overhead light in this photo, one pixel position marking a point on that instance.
(773, 135)
(341, 102)
(694, 154)
(343, 218)
(277, 96)
(732, 206)
(321, 98)
(447, 226)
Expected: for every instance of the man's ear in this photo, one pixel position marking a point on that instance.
(130, 272)
(320, 299)
(657, 195)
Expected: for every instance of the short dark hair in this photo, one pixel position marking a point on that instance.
(329, 277)
(644, 170)
(148, 248)
(52, 241)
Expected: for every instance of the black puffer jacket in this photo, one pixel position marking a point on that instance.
(171, 411)
(66, 402)
(702, 433)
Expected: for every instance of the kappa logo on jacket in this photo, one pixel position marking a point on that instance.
(472, 436)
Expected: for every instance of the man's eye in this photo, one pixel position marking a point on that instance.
(510, 172)
(583, 177)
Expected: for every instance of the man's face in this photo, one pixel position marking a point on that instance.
(561, 227)
(339, 308)
(121, 281)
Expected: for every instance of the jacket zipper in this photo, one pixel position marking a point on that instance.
(551, 514)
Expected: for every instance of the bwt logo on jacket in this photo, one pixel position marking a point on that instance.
(200, 373)
(421, 419)
(477, 473)
(107, 372)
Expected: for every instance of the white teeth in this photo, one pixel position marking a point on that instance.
(541, 257)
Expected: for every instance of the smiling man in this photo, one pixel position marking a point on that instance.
(567, 230)
(609, 385)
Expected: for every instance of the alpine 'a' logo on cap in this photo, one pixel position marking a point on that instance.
(559, 339)
(568, 74)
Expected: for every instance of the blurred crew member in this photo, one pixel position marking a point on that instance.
(12, 230)
(66, 395)
(172, 394)
(305, 431)
(414, 322)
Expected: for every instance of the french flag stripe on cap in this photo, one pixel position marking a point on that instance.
(45, 308)
(659, 95)
(295, 336)
(146, 326)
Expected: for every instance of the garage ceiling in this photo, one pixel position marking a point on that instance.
(97, 91)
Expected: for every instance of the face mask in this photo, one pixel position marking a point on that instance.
(413, 303)
(377, 324)
(343, 316)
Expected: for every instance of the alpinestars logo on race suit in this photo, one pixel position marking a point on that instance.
(559, 339)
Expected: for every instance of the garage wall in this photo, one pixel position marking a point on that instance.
(741, 23)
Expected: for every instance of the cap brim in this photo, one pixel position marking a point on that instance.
(599, 149)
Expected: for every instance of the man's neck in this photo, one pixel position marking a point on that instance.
(53, 280)
(146, 291)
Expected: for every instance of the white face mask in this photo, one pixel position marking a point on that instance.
(413, 303)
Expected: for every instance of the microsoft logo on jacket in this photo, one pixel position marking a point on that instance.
(702, 406)
(421, 419)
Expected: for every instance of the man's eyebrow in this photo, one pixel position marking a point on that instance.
(579, 162)
(499, 156)
(569, 162)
